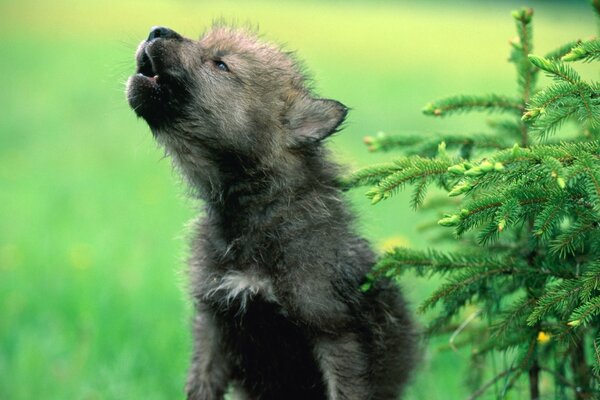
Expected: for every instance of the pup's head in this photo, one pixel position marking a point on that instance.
(226, 94)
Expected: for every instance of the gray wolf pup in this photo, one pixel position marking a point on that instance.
(276, 265)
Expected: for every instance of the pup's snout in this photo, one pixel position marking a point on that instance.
(162, 32)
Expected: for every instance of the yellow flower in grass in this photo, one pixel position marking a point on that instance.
(395, 241)
(543, 337)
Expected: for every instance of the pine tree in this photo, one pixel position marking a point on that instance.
(527, 219)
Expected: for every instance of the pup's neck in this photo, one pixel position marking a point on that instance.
(244, 195)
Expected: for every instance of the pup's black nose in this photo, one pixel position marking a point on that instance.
(162, 32)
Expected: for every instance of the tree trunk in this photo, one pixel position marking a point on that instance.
(581, 371)
(534, 381)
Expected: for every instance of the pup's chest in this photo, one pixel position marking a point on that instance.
(235, 290)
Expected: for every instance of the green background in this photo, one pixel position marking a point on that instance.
(93, 220)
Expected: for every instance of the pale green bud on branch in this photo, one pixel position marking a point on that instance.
(541, 62)
(458, 169)
(501, 224)
(460, 188)
(486, 166)
(523, 15)
(450, 220)
(475, 171)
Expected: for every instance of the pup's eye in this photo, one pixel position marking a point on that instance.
(221, 65)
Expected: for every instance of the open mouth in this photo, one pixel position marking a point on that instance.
(152, 91)
(146, 67)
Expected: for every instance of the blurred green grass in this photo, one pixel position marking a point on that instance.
(92, 237)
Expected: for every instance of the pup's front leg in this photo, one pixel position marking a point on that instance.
(209, 373)
(344, 366)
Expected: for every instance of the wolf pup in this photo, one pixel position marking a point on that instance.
(276, 265)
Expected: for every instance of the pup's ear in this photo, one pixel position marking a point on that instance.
(312, 120)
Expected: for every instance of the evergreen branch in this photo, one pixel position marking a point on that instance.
(555, 69)
(564, 152)
(548, 97)
(525, 71)
(524, 363)
(572, 239)
(488, 234)
(394, 262)
(485, 208)
(370, 175)
(591, 111)
(559, 101)
(583, 314)
(510, 341)
(510, 384)
(543, 162)
(428, 145)
(550, 216)
(560, 52)
(508, 214)
(586, 51)
(592, 177)
(538, 165)
(477, 211)
(594, 185)
(419, 168)
(513, 317)
(419, 193)
(385, 142)
(551, 120)
(585, 168)
(556, 297)
(590, 280)
(462, 282)
(481, 391)
(591, 132)
(457, 104)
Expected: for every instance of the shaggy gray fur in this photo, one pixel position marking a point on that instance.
(276, 264)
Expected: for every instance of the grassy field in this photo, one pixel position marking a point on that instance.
(92, 219)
